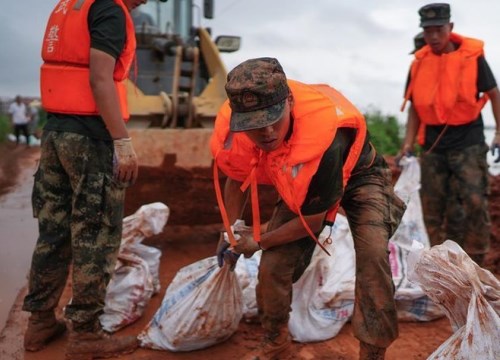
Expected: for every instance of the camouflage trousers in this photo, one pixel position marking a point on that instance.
(455, 183)
(79, 209)
(374, 213)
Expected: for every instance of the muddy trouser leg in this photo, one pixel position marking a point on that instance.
(17, 132)
(95, 222)
(24, 128)
(455, 214)
(471, 170)
(51, 200)
(434, 192)
(279, 268)
(374, 213)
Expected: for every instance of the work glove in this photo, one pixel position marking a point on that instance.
(246, 245)
(125, 168)
(224, 254)
(495, 147)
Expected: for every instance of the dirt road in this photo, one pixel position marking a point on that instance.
(184, 244)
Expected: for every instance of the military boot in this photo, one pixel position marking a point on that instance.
(275, 346)
(98, 345)
(42, 328)
(370, 352)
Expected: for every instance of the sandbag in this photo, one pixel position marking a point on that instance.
(202, 307)
(469, 296)
(136, 276)
(246, 271)
(323, 297)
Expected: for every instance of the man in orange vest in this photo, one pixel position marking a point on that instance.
(449, 83)
(87, 161)
(311, 144)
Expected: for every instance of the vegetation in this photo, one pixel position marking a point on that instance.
(385, 132)
(5, 127)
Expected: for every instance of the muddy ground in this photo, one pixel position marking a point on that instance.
(190, 235)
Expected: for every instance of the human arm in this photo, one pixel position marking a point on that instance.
(103, 87)
(292, 230)
(494, 95)
(412, 126)
(107, 28)
(234, 201)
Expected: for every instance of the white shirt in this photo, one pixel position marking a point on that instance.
(18, 112)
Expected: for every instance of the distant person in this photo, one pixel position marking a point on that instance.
(418, 42)
(87, 161)
(452, 227)
(19, 119)
(34, 114)
(449, 83)
(311, 143)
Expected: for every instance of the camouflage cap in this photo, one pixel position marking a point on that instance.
(257, 90)
(434, 14)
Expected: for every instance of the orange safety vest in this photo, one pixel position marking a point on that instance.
(64, 80)
(443, 88)
(318, 112)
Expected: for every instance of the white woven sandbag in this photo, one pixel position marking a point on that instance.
(202, 307)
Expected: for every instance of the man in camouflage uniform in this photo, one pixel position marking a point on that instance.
(266, 123)
(454, 167)
(87, 161)
(452, 227)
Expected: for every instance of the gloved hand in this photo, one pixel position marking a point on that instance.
(406, 150)
(495, 147)
(125, 167)
(246, 245)
(224, 254)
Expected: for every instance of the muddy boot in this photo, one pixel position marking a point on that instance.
(274, 347)
(98, 345)
(370, 352)
(42, 328)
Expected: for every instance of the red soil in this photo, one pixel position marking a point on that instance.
(190, 235)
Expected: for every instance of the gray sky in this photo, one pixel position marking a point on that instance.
(358, 46)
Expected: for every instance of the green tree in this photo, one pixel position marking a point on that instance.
(385, 132)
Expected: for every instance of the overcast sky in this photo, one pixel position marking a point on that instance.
(358, 46)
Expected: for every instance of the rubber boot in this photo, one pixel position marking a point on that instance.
(275, 346)
(370, 352)
(42, 328)
(98, 345)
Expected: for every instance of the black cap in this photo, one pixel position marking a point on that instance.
(437, 14)
(418, 42)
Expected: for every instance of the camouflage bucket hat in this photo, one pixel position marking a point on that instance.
(257, 90)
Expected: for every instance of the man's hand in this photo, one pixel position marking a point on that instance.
(224, 255)
(125, 166)
(246, 245)
(495, 147)
(407, 150)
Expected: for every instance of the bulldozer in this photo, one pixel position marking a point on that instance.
(174, 92)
